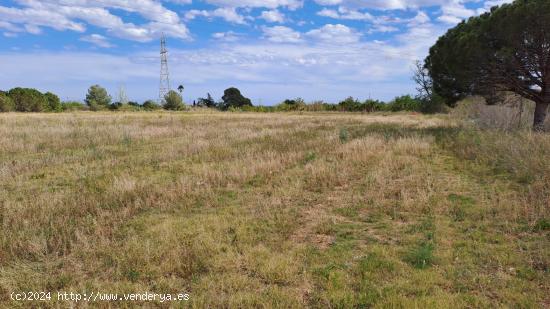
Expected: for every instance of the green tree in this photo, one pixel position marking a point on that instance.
(206, 102)
(506, 49)
(173, 101)
(98, 98)
(405, 103)
(54, 103)
(232, 97)
(28, 100)
(6, 103)
(373, 105)
(297, 104)
(350, 104)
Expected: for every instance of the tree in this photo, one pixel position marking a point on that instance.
(404, 103)
(6, 103)
(350, 104)
(373, 105)
(430, 102)
(232, 97)
(180, 89)
(173, 101)
(28, 100)
(505, 50)
(97, 97)
(208, 102)
(54, 103)
(423, 80)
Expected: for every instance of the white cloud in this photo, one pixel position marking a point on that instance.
(70, 15)
(281, 34)
(273, 16)
(338, 34)
(228, 36)
(98, 40)
(270, 4)
(344, 13)
(454, 12)
(227, 13)
(383, 29)
(382, 4)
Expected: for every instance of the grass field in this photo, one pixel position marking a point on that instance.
(274, 210)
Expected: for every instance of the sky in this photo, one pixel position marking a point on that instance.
(270, 49)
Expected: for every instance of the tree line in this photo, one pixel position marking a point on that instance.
(29, 100)
(98, 99)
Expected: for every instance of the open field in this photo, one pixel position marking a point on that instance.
(274, 210)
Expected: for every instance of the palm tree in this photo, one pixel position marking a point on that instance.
(180, 88)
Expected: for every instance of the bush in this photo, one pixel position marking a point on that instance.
(54, 103)
(350, 105)
(173, 101)
(129, 108)
(73, 106)
(297, 104)
(371, 106)
(6, 103)
(28, 100)
(432, 105)
(405, 103)
(207, 102)
(151, 105)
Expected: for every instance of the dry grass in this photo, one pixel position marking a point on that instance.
(270, 210)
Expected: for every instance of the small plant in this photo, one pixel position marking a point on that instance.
(127, 139)
(421, 256)
(310, 156)
(542, 225)
(344, 135)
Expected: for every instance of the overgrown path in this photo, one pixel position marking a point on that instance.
(254, 210)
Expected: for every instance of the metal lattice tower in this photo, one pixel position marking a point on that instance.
(164, 74)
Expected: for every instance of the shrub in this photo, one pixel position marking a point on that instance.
(6, 103)
(405, 103)
(54, 103)
(115, 106)
(207, 102)
(350, 105)
(373, 106)
(129, 108)
(73, 106)
(151, 105)
(433, 104)
(173, 101)
(28, 100)
(297, 104)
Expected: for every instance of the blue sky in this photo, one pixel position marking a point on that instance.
(270, 49)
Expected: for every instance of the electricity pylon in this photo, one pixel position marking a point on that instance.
(164, 73)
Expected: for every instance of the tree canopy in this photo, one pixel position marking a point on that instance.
(506, 49)
(6, 103)
(207, 102)
(54, 103)
(28, 100)
(98, 97)
(232, 97)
